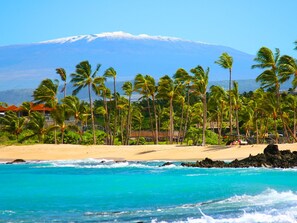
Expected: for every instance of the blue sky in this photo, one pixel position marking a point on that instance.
(242, 24)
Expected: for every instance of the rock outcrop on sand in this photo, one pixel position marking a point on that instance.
(16, 161)
(271, 157)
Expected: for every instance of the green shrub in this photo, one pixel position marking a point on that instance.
(194, 137)
(71, 137)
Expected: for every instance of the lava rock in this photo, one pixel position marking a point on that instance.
(166, 164)
(271, 157)
(16, 161)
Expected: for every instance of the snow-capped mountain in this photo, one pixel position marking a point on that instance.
(24, 66)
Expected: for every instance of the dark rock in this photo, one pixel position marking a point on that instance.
(271, 150)
(271, 157)
(166, 164)
(16, 161)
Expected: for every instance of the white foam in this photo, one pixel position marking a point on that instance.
(105, 163)
(268, 197)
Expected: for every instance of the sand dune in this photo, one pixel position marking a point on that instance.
(143, 152)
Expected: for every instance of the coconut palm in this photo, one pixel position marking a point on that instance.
(289, 108)
(226, 62)
(183, 76)
(128, 89)
(218, 104)
(199, 87)
(84, 77)
(46, 93)
(167, 90)
(271, 78)
(60, 114)
(37, 125)
(78, 109)
(137, 119)
(104, 92)
(288, 68)
(27, 107)
(62, 73)
(111, 73)
(13, 124)
(146, 86)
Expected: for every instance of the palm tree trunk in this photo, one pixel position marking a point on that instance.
(230, 102)
(219, 129)
(62, 136)
(106, 121)
(92, 114)
(115, 107)
(294, 122)
(181, 124)
(204, 120)
(237, 122)
(139, 130)
(171, 122)
(55, 133)
(187, 114)
(128, 123)
(156, 121)
(257, 130)
(276, 133)
(65, 89)
(151, 119)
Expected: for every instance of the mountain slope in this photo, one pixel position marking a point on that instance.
(24, 66)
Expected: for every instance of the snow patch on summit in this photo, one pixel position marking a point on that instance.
(113, 35)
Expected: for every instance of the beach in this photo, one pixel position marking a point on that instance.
(132, 153)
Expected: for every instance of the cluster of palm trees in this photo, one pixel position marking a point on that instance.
(173, 104)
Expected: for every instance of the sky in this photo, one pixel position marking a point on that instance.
(245, 25)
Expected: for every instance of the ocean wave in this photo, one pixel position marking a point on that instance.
(269, 206)
(107, 164)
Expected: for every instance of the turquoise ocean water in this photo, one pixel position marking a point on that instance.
(96, 191)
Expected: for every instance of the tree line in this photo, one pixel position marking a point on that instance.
(181, 103)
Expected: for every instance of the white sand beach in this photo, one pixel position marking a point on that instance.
(135, 153)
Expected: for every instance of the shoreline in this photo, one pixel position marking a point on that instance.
(48, 152)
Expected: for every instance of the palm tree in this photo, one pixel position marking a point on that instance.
(128, 89)
(200, 88)
(37, 125)
(104, 92)
(146, 86)
(226, 62)
(271, 78)
(183, 76)
(288, 68)
(167, 90)
(137, 118)
(290, 106)
(83, 77)
(62, 73)
(236, 104)
(46, 93)
(110, 72)
(27, 107)
(217, 104)
(60, 115)
(13, 124)
(78, 109)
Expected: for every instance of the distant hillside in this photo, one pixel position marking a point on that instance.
(18, 96)
(24, 66)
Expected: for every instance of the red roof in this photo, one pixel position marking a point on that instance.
(38, 107)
